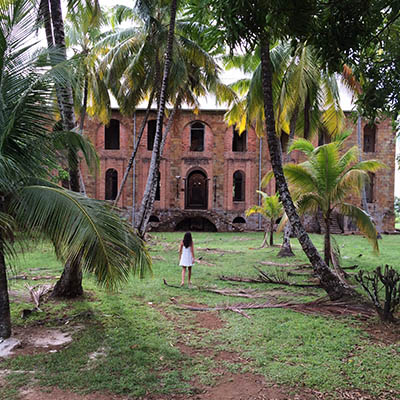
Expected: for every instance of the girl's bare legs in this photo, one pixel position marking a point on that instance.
(183, 275)
(189, 275)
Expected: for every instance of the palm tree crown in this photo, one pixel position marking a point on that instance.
(327, 178)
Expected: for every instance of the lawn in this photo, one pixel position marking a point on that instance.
(147, 346)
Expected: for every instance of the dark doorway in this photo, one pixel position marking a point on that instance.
(196, 191)
(198, 224)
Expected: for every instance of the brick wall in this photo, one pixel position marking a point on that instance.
(218, 163)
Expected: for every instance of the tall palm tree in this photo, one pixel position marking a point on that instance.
(29, 202)
(272, 209)
(83, 29)
(326, 179)
(134, 65)
(306, 99)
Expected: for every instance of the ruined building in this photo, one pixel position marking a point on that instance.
(209, 174)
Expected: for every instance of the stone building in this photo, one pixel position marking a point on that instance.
(209, 174)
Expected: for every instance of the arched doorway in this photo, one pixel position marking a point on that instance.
(196, 191)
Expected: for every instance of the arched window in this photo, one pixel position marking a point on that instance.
(158, 188)
(111, 135)
(369, 138)
(111, 184)
(197, 137)
(154, 218)
(238, 186)
(151, 133)
(369, 188)
(239, 220)
(239, 142)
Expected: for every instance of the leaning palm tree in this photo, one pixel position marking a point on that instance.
(272, 209)
(326, 179)
(77, 226)
(306, 99)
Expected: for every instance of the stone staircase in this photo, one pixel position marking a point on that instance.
(336, 223)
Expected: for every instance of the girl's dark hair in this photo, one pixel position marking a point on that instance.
(187, 239)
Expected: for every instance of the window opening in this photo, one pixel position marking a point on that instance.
(111, 135)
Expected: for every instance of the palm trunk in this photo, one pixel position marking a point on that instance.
(327, 241)
(70, 282)
(136, 147)
(67, 111)
(286, 248)
(5, 318)
(151, 186)
(84, 105)
(329, 281)
(271, 233)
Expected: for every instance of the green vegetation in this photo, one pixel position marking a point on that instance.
(138, 330)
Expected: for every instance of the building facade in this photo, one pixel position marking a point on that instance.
(209, 173)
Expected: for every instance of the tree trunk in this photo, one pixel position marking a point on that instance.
(5, 319)
(67, 111)
(327, 241)
(70, 283)
(136, 147)
(286, 248)
(329, 281)
(151, 186)
(84, 105)
(364, 203)
(271, 232)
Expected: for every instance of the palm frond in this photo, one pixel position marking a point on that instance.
(78, 225)
(363, 221)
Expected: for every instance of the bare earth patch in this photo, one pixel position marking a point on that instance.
(54, 393)
(37, 339)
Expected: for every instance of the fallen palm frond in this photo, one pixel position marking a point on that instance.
(201, 261)
(274, 264)
(33, 278)
(240, 279)
(320, 306)
(279, 280)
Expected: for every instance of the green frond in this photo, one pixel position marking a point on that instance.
(267, 178)
(298, 175)
(363, 221)
(309, 202)
(77, 142)
(78, 225)
(369, 165)
(302, 145)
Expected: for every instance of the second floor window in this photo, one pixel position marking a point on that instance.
(111, 135)
(369, 138)
(197, 137)
(151, 133)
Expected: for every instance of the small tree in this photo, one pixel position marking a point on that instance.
(326, 179)
(272, 209)
(372, 284)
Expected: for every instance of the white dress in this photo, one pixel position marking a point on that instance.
(186, 257)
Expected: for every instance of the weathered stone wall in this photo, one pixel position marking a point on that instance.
(218, 162)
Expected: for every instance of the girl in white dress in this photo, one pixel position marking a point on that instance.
(186, 255)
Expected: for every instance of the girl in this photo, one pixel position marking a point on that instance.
(186, 254)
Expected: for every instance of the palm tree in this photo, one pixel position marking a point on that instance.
(77, 226)
(134, 65)
(82, 30)
(306, 99)
(271, 208)
(326, 179)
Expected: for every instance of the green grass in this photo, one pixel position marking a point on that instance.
(141, 344)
